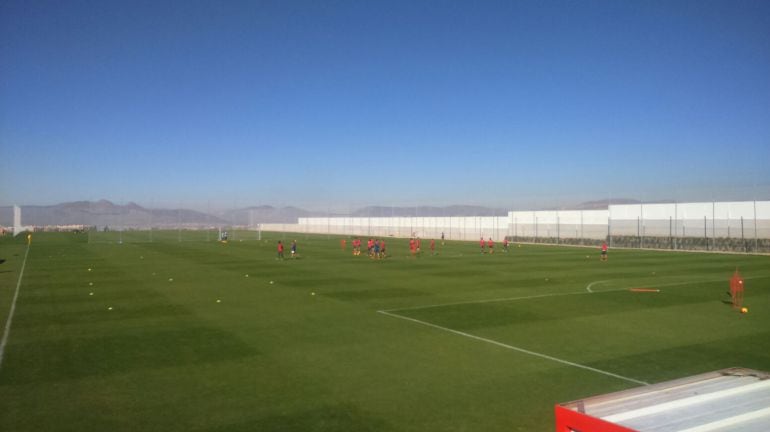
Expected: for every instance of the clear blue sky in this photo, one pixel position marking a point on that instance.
(339, 103)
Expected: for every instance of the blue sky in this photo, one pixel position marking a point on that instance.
(328, 104)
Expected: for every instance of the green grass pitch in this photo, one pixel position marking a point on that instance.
(199, 339)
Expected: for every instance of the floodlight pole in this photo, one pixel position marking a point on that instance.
(152, 204)
(670, 237)
(179, 223)
(713, 225)
(755, 226)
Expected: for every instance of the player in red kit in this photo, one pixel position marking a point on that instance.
(483, 244)
(604, 251)
(491, 245)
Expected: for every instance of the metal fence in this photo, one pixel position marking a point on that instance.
(715, 226)
(742, 226)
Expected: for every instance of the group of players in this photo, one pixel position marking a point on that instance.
(375, 248)
(490, 245)
(293, 249)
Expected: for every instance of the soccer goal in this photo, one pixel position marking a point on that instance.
(18, 228)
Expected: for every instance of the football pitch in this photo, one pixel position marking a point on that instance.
(203, 336)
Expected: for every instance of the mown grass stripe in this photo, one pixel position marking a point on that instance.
(514, 348)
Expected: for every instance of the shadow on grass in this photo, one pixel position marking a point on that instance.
(322, 419)
(374, 294)
(74, 358)
(751, 351)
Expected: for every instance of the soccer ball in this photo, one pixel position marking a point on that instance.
(744, 310)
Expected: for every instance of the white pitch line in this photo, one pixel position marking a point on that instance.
(588, 291)
(588, 287)
(511, 347)
(7, 330)
(389, 312)
(484, 301)
(504, 299)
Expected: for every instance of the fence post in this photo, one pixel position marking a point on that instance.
(670, 236)
(676, 218)
(756, 245)
(641, 225)
(639, 230)
(713, 225)
(743, 239)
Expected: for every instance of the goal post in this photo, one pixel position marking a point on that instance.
(18, 228)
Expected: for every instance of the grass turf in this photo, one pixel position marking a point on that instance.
(274, 357)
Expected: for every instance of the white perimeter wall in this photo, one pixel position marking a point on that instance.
(736, 219)
(683, 211)
(521, 224)
(590, 224)
(747, 219)
(454, 228)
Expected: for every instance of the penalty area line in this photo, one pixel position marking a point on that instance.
(504, 299)
(514, 348)
(7, 330)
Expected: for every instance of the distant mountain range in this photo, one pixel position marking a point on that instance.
(603, 204)
(454, 210)
(105, 213)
